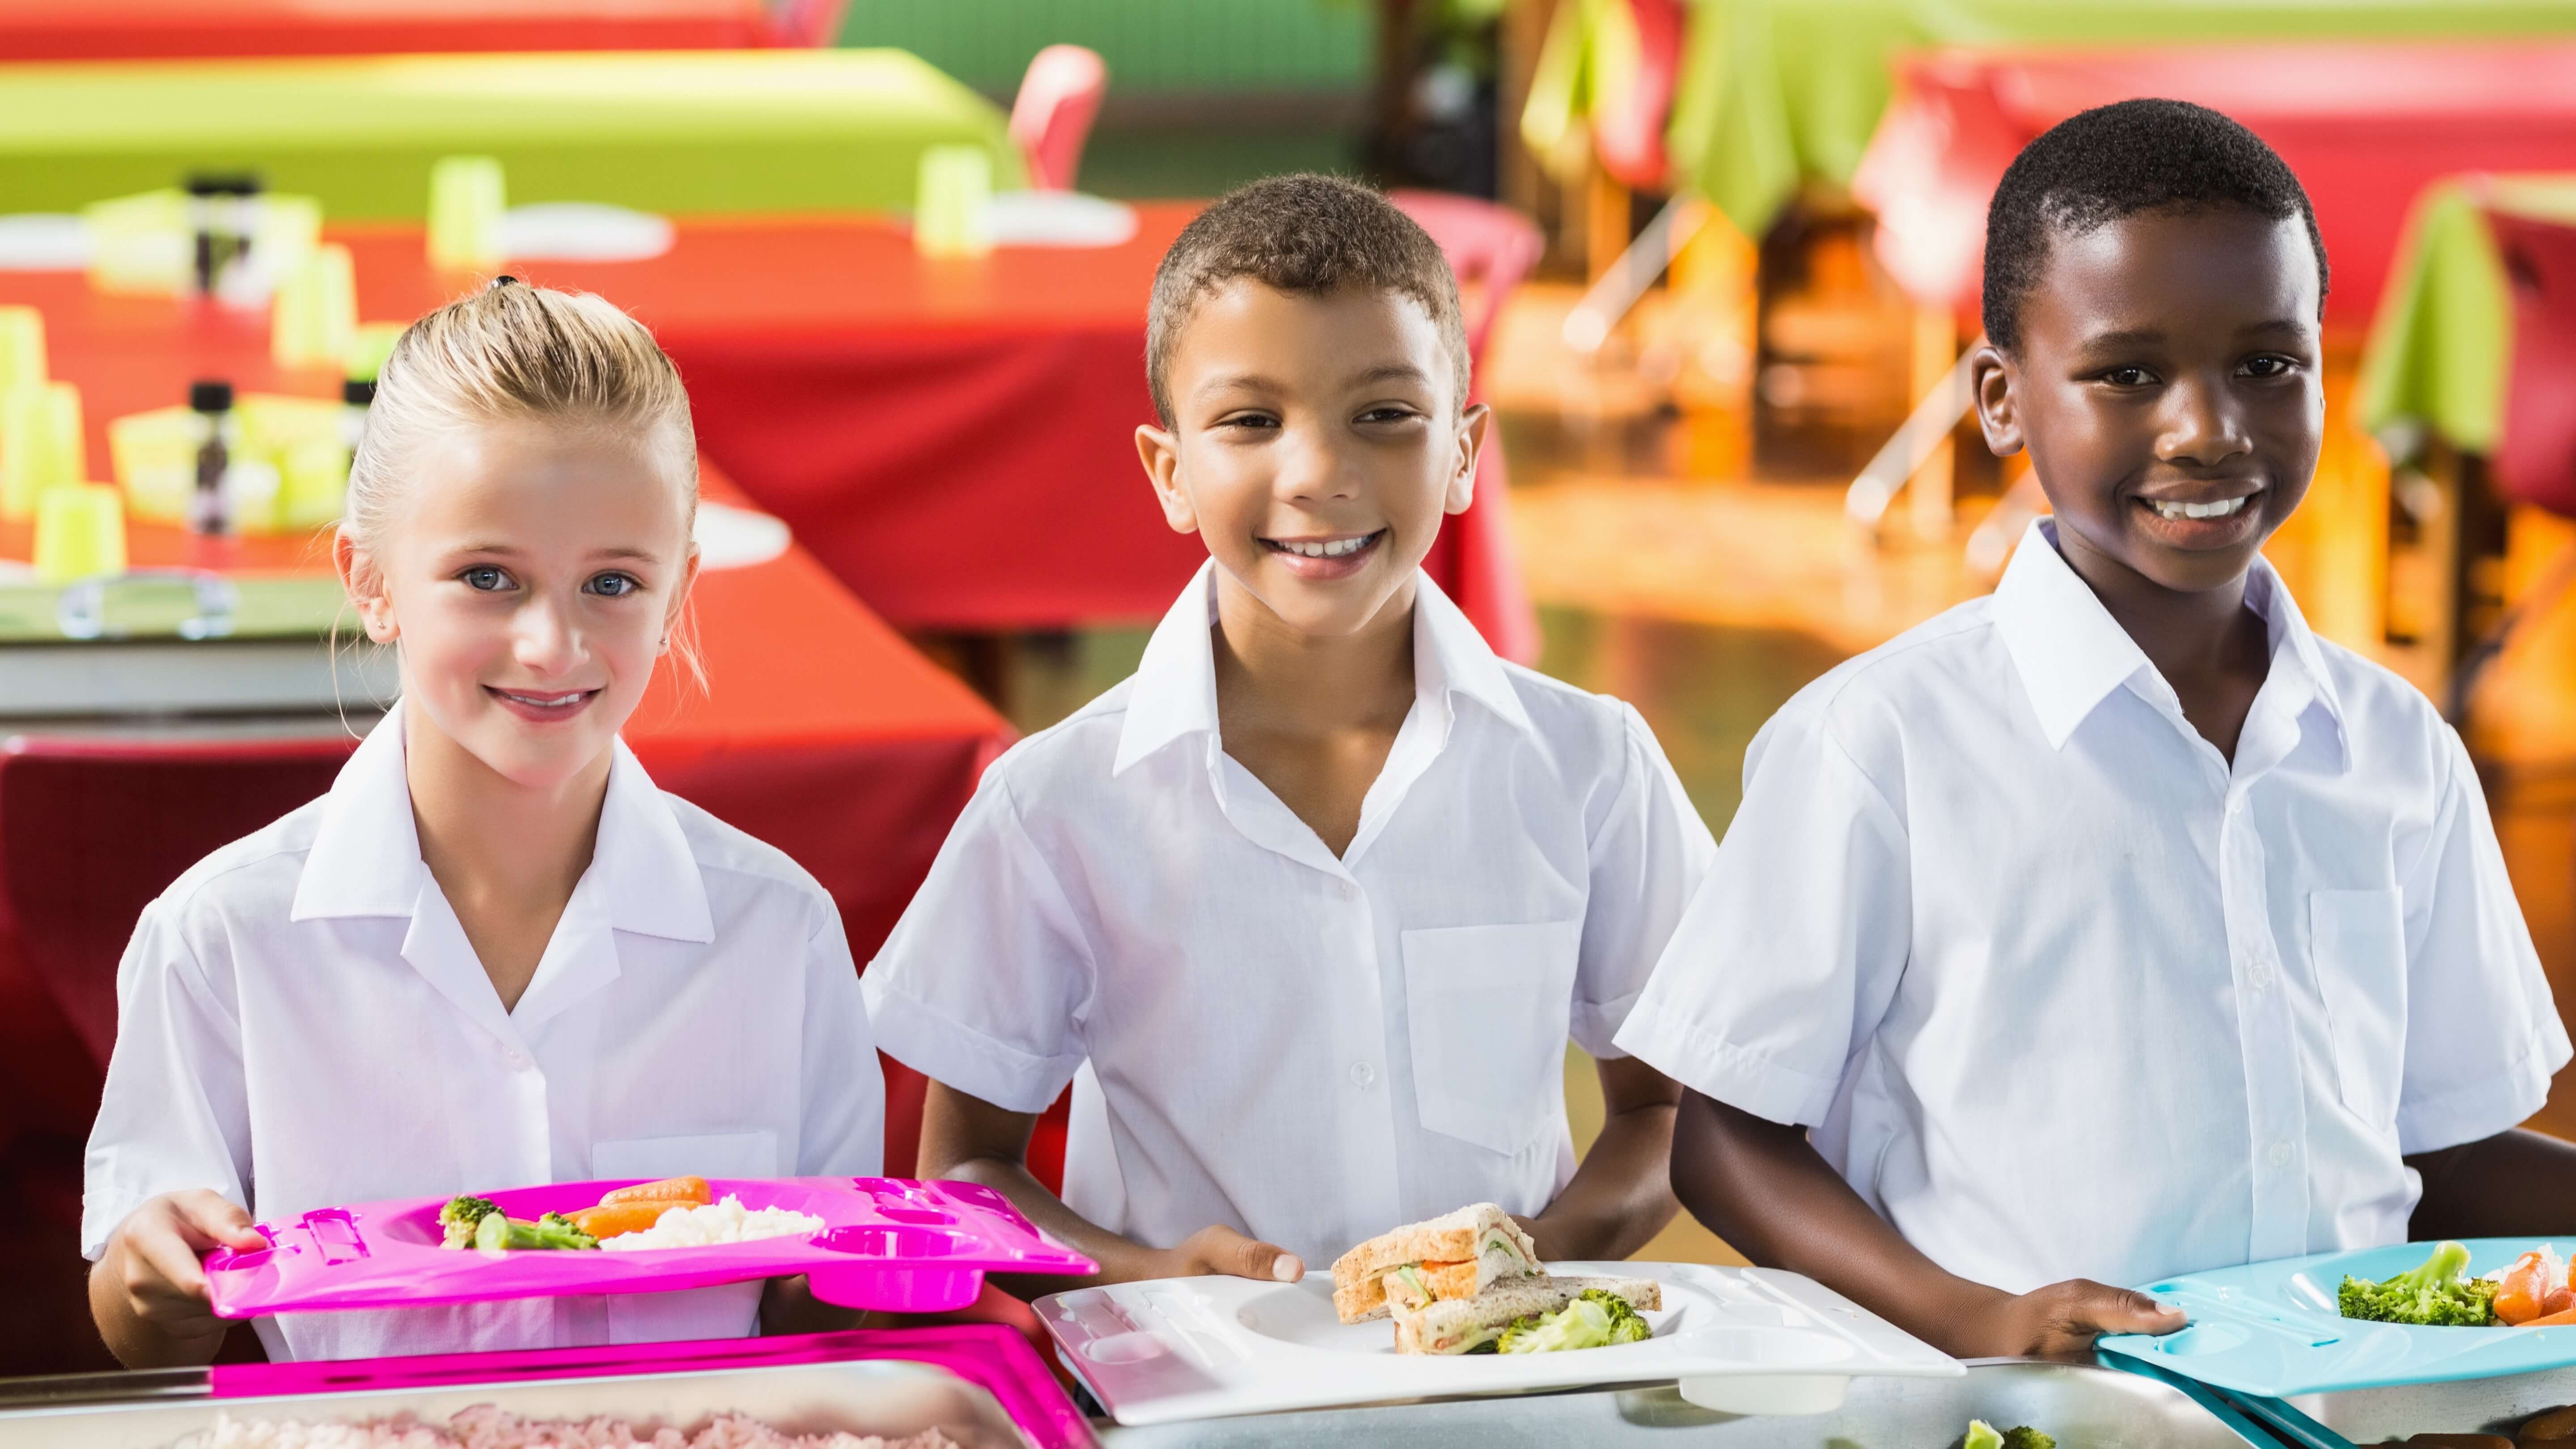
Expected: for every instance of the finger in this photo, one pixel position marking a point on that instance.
(210, 1220)
(2100, 1308)
(167, 1271)
(1246, 1258)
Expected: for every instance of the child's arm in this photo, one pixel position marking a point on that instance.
(1763, 1188)
(147, 1292)
(2516, 1184)
(1622, 1194)
(967, 1138)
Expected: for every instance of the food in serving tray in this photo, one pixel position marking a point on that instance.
(672, 1213)
(2550, 1426)
(1457, 1255)
(1982, 1435)
(2437, 1292)
(1532, 1314)
(486, 1427)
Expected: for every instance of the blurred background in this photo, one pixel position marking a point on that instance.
(1721, 259)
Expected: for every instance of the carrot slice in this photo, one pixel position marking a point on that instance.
(2549, 1320)
(668, 1190)
(608, 1220)
(2522, 1293)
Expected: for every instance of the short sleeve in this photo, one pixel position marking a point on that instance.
(1648, 853)
(175, 1113)
(1787, 955)
(982, 983)
(2483, 1035)
(842, 1131)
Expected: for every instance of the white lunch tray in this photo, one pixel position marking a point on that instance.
(1738, 1340)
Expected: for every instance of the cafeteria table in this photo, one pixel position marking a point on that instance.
(2365, 127)
(1777, 93)
(955, 440)
(134, 29)
(671, 131)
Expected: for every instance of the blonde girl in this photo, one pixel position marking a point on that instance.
(494, 954)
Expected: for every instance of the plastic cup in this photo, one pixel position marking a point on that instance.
(80, 533)
(315, 321)
(41, 447)
(22, 346)
(313, 483)
(466, 199)
(952, 214)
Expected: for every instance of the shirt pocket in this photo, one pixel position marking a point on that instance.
(1488, 1009)
(2357, 948)
(729, 1310)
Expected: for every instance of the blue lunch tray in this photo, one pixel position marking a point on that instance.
(2272, 1329)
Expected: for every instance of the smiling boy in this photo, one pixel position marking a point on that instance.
(2113, 926)
(1307, 909)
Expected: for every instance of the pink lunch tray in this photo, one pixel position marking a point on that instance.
(992, 1357)
(887, 1243)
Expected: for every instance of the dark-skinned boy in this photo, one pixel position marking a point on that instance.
(2154, 284)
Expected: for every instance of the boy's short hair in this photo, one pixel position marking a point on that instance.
(2113, 162)
(1303, 233)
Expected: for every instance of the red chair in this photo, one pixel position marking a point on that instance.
(1489, 245)
(1628, 126)
(2535, 461)
(806, 24)
(1059, 98)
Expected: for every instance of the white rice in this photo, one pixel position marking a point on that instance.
(485, 1427)
(722, 1222)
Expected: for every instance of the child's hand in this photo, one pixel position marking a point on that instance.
(2062, 1320)
(1222, 1250)
(151, 1270)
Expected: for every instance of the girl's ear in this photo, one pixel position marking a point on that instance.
(1160, 451)
(1462, 469)
(1992, 379)
(365, 584)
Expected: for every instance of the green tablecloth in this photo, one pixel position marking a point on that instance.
(684, 132)
(1777, 92)
(2443, 338)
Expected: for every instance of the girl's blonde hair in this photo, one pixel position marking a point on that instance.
(513, 352)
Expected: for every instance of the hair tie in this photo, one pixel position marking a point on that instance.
(504, 281)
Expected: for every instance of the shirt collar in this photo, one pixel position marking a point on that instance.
(2071, 653)
(365, 859)
(1173, 693)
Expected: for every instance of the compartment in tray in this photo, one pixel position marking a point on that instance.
(2084, 1407)
(889, 1398)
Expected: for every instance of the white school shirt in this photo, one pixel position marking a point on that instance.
(1308, 1049)
(2062, 993)
(301, 1023)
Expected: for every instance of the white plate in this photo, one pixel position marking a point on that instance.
(41, 241)
(1059, 219)
(737, 538)
(1752, 1339)
(582, 231)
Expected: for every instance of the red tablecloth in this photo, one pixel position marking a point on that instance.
(955, 440)
(2365, 127)
(149, 29)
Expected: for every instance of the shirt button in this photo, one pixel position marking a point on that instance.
(518, 1060)
(2259, 975)
(1363, 1075)
(2280, 1154)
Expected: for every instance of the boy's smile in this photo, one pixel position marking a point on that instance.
(1316, 442)
(2166, 386)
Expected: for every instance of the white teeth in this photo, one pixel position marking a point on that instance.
(2179, 511)
(1335, 549)
(545, 701)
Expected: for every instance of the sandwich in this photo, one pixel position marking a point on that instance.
(1457, 1256)
(1532, 1315)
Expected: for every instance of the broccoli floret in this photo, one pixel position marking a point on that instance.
(2438, 1293)
(554, 1230)
(1981, 1435)
(2023, 1436)
(1627, 1325)
(460, 1217)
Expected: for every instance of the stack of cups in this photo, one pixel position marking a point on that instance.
(466, 200)
(80, 533)
(22, 346)
(952, 216)
(41, 447)
(315, 322)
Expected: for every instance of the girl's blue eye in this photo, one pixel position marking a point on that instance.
(614, 586)
(485, 578)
